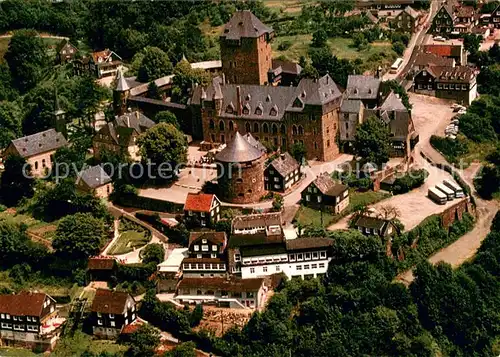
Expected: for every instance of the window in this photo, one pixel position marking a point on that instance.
(237, 257)
(231, 125)
(264, 269)
(7, 316)
(5, 325)
(265, 128)
(14, 318)
(308, 198)
(214, 248)
(322, 254)
(306, 266)
(314, 266)
(19, 327)
(300, 257)
(308, 256)
(252, 270)
(315, 255)
(294, 130)
(211, 124)
(111, 316)
(276, 179)
(292, 257)
(319, 199)
(196, 248)
(99, 322)
(301, 130)
(2, 316)
(113, 324)
(32, 328)
(298, 267)
(321, 265)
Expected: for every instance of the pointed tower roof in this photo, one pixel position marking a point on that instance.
(239, 150)
(121, 83)
(57, 106)
(244, 24)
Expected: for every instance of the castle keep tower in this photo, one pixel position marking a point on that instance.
(245, 46)
(241, 171)
(120, 94)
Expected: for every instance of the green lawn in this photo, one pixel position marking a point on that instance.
(17, 352)
(357, 199)
(127, 241)
(17, 218)
(377, 53)
(80, 342)
(307, 216)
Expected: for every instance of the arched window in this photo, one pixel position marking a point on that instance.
(36, 165)
(246, 109)
(283, 129)
(221, 125)
(212, 124)
(294, 130)
(231, 125)
(301, 130)
(247, 127)
(230, 108)
(255, 127)
(265, 128)
(274, 129)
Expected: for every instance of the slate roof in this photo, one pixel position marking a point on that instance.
(136, 120)
(199, 202)
(254, 142)
(423, 58)
(233, 285)
(25, 303)
(410, 11)
(101, 264)
(259, 250)
(285, 164)
(362, 87)
(244, 24)
(392, 102)
(245, 240)
(94, 177)
(257, 220)
(289, 67)
(399, 125)
(308, 243)
(39, 143)
(351, 106)
(212, 237)
(121, 82)
(458, 74)
(238, 150)
(327, 185)
(267, 102)
(110, 302)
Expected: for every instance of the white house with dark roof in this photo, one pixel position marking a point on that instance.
(325, 193)
(282, 173)
(37, 149)
(96, 181)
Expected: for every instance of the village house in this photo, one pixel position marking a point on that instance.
(465, 19)
(201, 209)
(65, 51)
(351, 115)
(456, 83)
(363, 88)
(267, 223)
(282, 173)
(99, 64)
(120, 135)
(406, 21)
(421, 59)
(455, 52)
(29, 319)
(170, 271)
(100, 268)
(495, 17)
(94, 180)
(37, 149)
(284, 73)
(110, 312)
(384, 8)
(206, 255)
(444, 20)
(375, 226)
(326, 194)
(234, 292)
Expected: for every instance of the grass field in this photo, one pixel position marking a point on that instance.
(127, 241)
(17, 352)
(80, 342)
(32, 223)
(307, 216)
(357, 199)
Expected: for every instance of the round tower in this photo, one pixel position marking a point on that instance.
(120, 94)
(240, 168)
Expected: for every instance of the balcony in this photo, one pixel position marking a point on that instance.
(51, 326)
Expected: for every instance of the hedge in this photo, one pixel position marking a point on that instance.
(147, 203)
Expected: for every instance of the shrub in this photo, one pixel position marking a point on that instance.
(451, 149)
(408, 182)
(285, 45)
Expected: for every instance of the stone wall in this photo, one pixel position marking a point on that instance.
(456, 212)
(242, 183)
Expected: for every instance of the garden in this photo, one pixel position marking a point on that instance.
(132, 236)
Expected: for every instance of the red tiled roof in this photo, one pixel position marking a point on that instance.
(101, 263)
(199, 202)
(134, 326)
(103, 54)
(109, 302)
(25, 303)
(443, 50)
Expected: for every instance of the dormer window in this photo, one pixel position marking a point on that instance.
(298, 103)
(248, 97)
(274, 111)
(258, 110)
(268, 98)
(230, 108)
(355, 90)
(246, 109)
(303, 95)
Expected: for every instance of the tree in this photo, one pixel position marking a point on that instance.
(186, 349)
(477, 127)
(389, 212)
(319, 38)
(299, 152)
(27, 59)
(16, 181)
(185, 78)
(372, 142)
(79, 236)
(278, 202)
(153, 91)
(153, 253)
(144, 342)
(88, 97)
(10, 122)
(472, 42)
(163, 143)
(399, 48)
(168, 117)
(155, 64)
(339, 69)
(196, 315)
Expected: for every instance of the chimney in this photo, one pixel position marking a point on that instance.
(238, 100)
(128, 121)
(282, 156)
(223, 78)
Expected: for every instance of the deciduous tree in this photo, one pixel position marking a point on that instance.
(372, 142)
(155, 64)
(163, 143)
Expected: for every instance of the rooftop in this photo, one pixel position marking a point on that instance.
(308, 243)
(233, 285)
(199, 202)
(444, 50)
(39, 143)
(370, 222)
(212, 237)
(110, 302)
(362, 87)
(26, 303)
(101, 263)
(94, 177)
(285, 164)
(257, 220)
(174, 260)
(244, 24)
(239, 150)
(327, 185)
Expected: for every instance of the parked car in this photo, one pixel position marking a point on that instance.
(439, 39)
